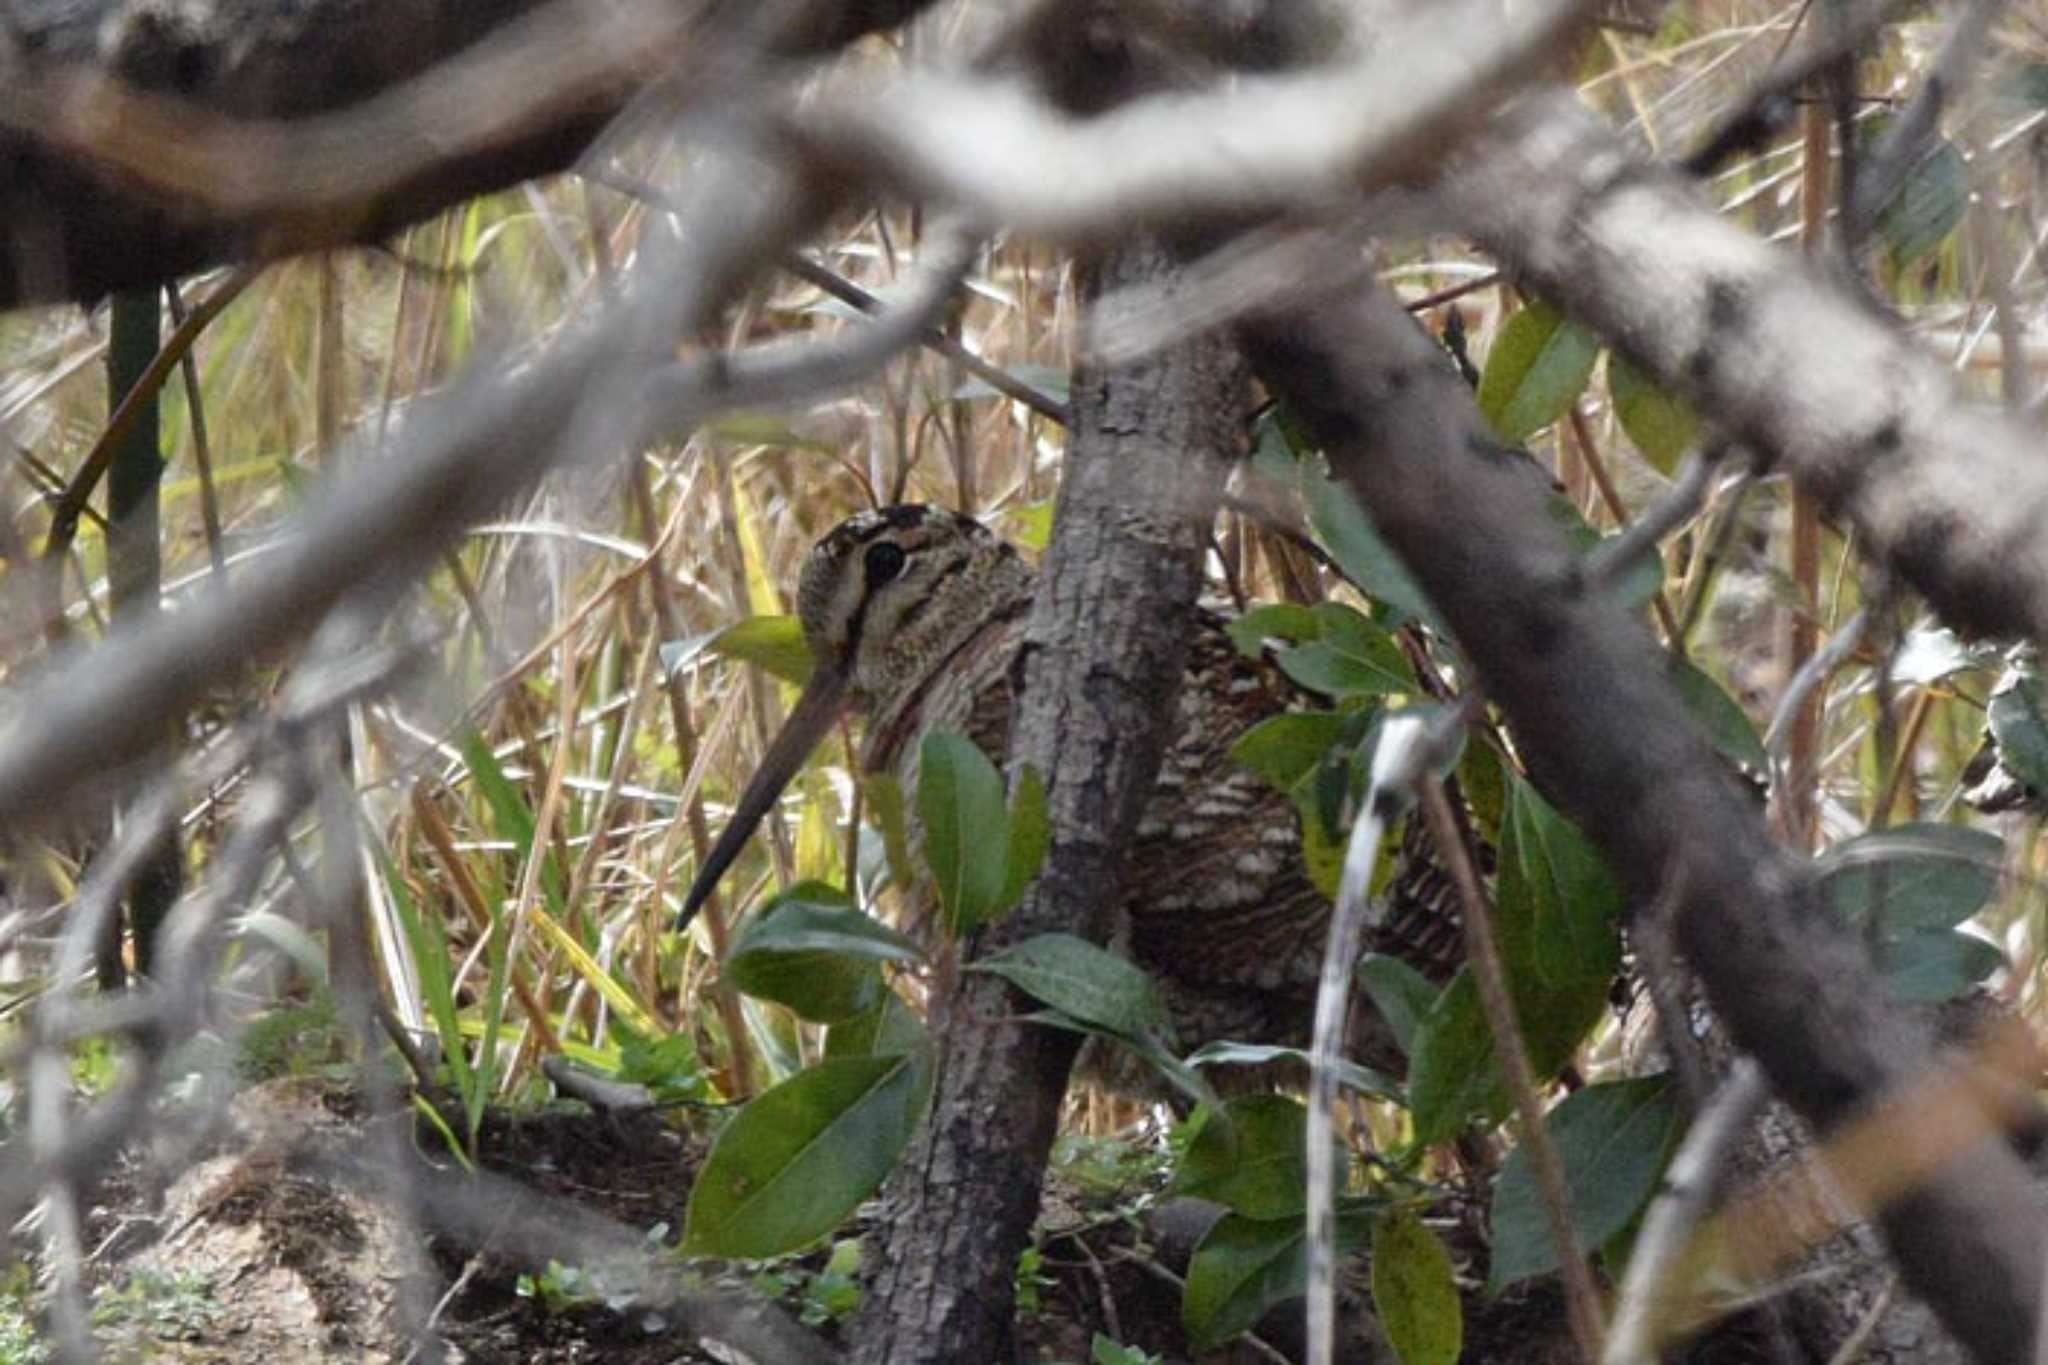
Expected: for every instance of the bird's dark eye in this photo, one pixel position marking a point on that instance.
(885, 559)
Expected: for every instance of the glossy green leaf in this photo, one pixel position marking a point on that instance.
(1555, 918)
(966, 829)
(1907, 889)
(1284, 749)
(1415, 1293)
(1932, 966)
(1660, 424)
(1927, 205)
(1352, 657)
(1914, 876)
(1245, 1266)
(1289, 622)
(890, 1029)
(799, 1158)
(1030, 837)
(1256, 1162)
(1075, 977)
(1367, 561)
(2019, 722)
(1575, 899)
(1452, 1076)
(1363, 1079)
(812, 951)
(1612, 1141)
(1537, 368)
(1718, 714)
(1402, 995)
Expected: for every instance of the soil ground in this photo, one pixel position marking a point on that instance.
(278, 1241)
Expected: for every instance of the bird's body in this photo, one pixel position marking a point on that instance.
(915, 615)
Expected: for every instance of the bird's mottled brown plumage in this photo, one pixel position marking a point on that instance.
(914, 615)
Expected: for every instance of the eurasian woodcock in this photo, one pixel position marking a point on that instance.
(913, 614)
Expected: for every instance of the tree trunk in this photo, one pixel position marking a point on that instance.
(1098, 673)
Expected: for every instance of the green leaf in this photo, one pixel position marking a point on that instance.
(667, 1066)
(2017, 723)
(774, 643)
(1914, 876)
(1104, 1350)
(1352, 658)
(1255, 1163)
(1725, 722)
(1245, 1266)
(1575, 899)
(1927, 205)
(1612, 1141)
(1289, 622)
(1402, 995)
(1414, 1292)
(1931, 966)
(1555, 917)
(1284, 749)
(966, 830)
(1363, 1079)
(1366, 560)
(1030, 837)
(511, 817)
(1908, 888)
(813, 952)
(799, 1158)
(1453, 1076)
(1661, 425)
(1538, 367)
(890, 1029)
(1485, 785)
(1028, 525)
(1075, 977)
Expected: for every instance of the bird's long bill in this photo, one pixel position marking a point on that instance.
(824, 697)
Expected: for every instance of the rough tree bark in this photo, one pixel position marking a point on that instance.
(1601, 727)
(1100, 667)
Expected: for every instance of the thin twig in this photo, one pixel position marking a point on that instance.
(1003, 382)
(1582, 1298)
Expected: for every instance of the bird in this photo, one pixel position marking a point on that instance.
(913, 614)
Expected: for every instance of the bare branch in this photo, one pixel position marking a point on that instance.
(1258, 144)
(1952, 496)
(134, 150)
